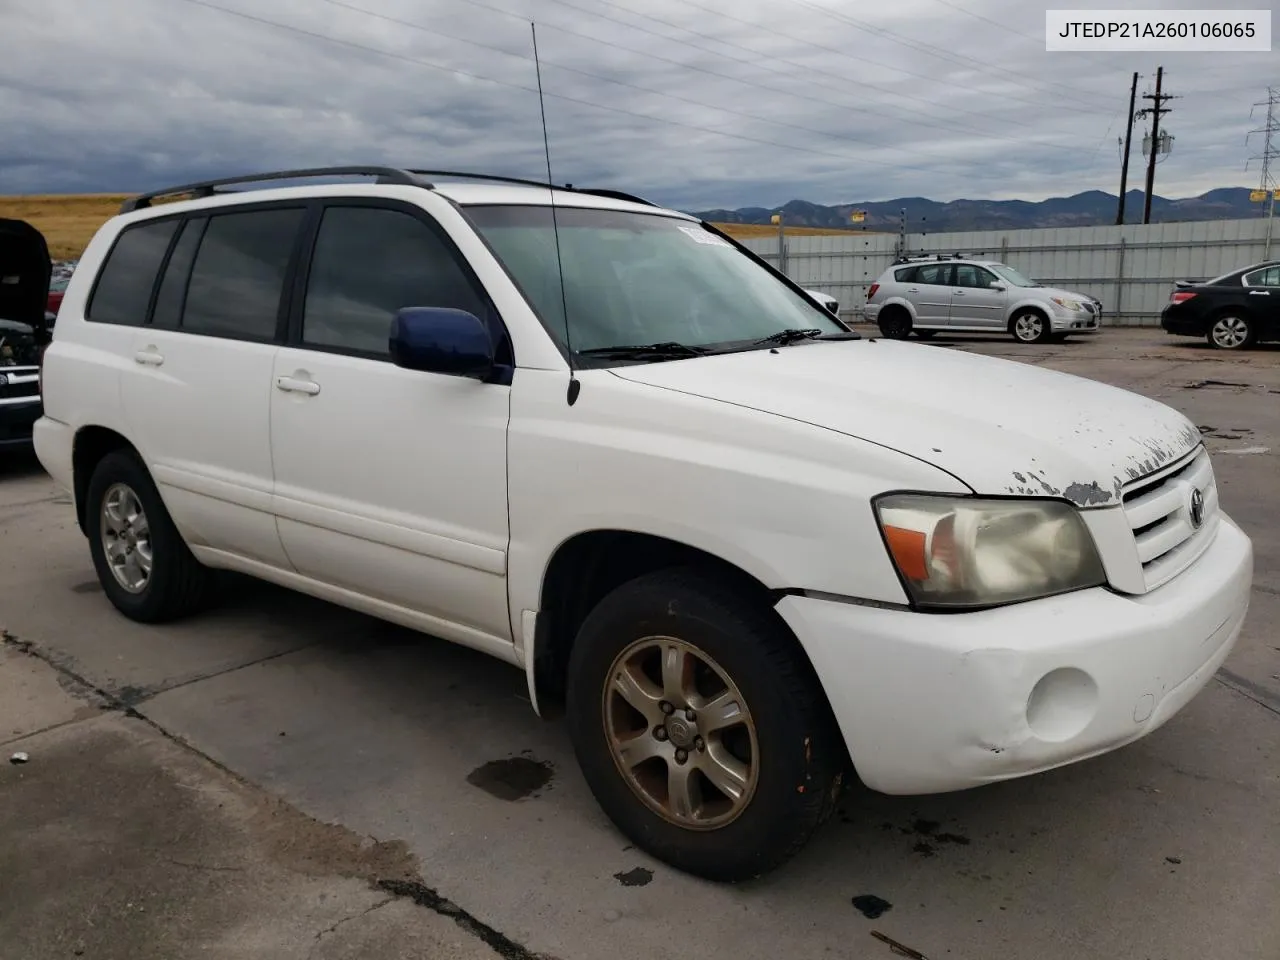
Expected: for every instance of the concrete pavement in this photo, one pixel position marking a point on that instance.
(384, 754)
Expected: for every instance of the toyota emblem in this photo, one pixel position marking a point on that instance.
(1197, 508)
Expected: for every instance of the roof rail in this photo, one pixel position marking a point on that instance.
(568, 187)
(208, 188)
(386, 175)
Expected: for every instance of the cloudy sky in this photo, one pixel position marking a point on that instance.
(694, 103)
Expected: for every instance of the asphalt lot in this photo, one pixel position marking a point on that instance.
(380, 754)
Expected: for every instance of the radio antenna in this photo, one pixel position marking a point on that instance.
(575, 387)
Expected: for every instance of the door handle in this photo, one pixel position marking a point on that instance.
(1259, 293)
(150, 357)
(958, 293)
(913, 290)
(294, 385)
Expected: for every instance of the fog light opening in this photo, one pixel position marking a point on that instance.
(1062, 704)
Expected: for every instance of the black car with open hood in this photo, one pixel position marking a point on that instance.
(25, 329)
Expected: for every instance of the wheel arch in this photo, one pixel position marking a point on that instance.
(584, 568)
(90, 445)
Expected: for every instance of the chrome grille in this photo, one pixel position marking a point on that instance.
(1159, 509)
(17, 383)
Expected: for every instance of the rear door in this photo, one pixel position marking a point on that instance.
(391, 483)
(196, 382)
(930, 291)
(1262, 293)
(973, 301)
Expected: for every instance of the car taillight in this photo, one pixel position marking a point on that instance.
(872, 292)
(1180, 297)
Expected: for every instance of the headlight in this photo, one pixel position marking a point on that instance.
(1073, 305)
(958, 552)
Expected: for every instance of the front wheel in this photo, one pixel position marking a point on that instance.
(700, 727)
(1231, 332)
(1031, 326)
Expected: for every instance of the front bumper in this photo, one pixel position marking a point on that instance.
(930, 703)
(1074, 322)
(17, 417)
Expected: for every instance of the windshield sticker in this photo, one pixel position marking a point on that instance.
(702, 236)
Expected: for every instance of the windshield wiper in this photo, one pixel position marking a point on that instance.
(794, 335)
(668, 350)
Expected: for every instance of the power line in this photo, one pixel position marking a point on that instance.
(623, 83)
(453, 71)
(754, 62)
(938, 52)
(808, 68)
(1017, 33)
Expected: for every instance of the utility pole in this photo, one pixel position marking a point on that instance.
(1269, 153)
(1156, 111)
(1128, 141)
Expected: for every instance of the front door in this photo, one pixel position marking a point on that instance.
(391, 483)
(974, 300)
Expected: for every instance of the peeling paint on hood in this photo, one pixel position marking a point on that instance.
(1000, 426)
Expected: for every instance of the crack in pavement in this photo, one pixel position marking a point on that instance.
(332, 928)
(414, 889)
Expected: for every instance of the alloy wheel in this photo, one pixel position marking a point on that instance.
(680, 733)
(126, 537)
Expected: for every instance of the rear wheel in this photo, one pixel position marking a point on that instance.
(1030, 326)
(1231, 331)
(895, 323)
(700, 727)
(143, 564)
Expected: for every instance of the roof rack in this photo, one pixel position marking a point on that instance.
(927, 257)
(384, 175)
(208, 188)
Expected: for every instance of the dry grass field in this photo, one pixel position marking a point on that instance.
(69, 221)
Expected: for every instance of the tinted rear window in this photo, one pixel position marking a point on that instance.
(239, 274)
(173, 288)
(123, 291)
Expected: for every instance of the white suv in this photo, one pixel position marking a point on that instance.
(744, 548)
(955, 294)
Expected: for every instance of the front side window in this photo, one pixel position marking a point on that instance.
(123, 291)
(239, 272)
(1013, 276)
(971, 275)
(368, 264)
(638, 279)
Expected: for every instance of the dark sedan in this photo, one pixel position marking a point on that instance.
(1232, 312)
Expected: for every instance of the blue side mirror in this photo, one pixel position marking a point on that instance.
(441, 340)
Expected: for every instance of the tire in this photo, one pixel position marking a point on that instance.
(169, 583)
(926, 334)
(1030, 326)
(895, 323)
(1231, 331)
(794, 757)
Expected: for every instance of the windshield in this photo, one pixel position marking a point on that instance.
(634, 279)
(1012, 275)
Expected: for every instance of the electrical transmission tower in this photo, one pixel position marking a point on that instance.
(1269, 155)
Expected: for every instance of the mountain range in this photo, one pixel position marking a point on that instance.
(1092, 208)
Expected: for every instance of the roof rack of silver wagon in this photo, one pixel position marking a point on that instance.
(381, 174)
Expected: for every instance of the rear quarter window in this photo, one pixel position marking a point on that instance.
(122, 293)
(904, 275)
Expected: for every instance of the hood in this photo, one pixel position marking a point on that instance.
(999, 426)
